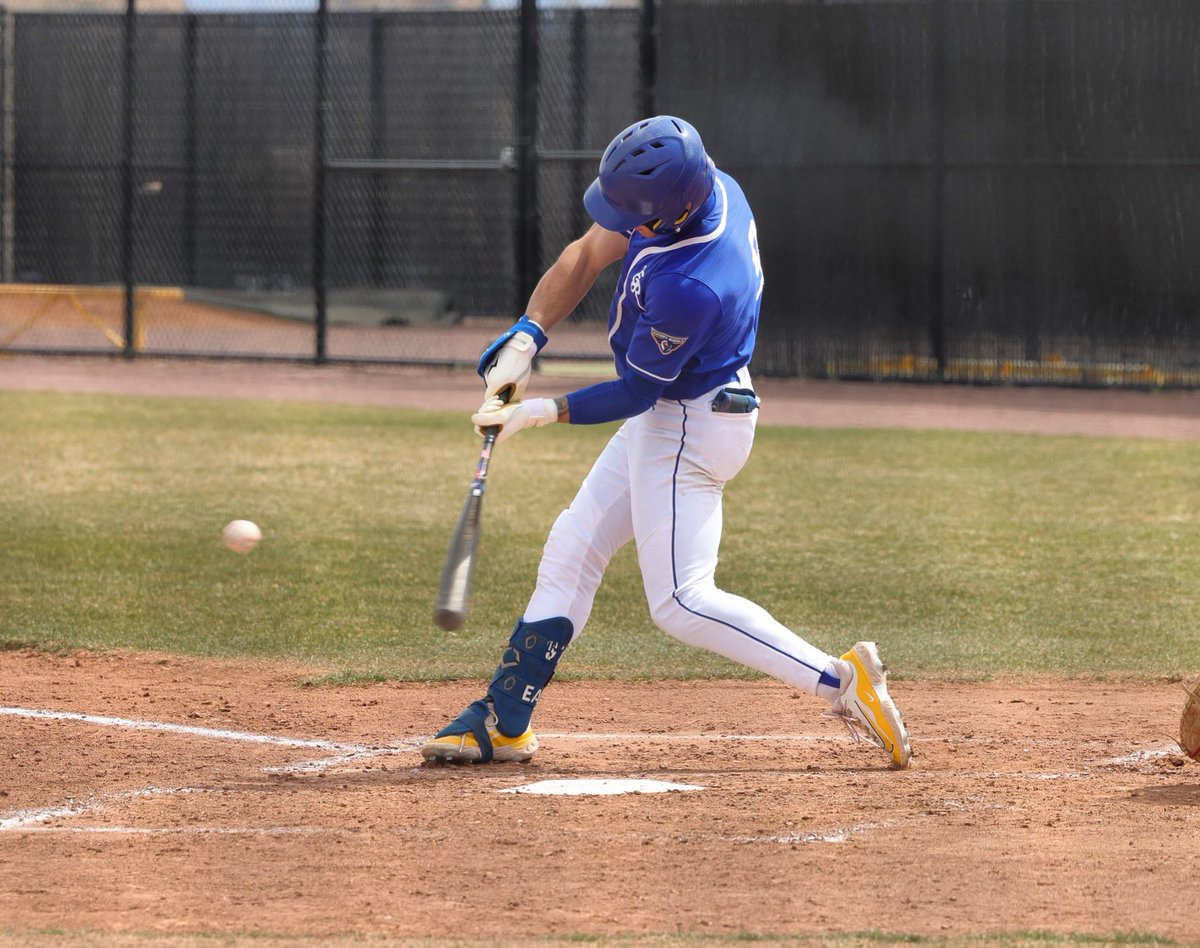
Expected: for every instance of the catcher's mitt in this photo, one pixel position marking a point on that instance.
(1189, 723)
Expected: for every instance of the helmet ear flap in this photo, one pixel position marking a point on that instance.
(659, 226)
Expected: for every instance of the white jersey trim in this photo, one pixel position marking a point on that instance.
(647, 251)
(658, 378)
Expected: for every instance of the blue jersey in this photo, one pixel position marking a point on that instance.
(685, 310)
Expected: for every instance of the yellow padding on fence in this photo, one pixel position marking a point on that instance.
(74, 296)
(1052, 369)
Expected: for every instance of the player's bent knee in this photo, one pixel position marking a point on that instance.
(680, 614)
(571, 532)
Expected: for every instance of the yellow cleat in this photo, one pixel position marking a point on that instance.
(463, 748)
(865, 705)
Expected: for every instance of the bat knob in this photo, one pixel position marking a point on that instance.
(448, 619)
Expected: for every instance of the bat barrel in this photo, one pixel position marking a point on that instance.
(454, 588)
(449, 619)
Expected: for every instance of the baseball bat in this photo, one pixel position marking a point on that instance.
(454, 589)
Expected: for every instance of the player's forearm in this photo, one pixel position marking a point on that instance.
(561, 288)
(572, 275)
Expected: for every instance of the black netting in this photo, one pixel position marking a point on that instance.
(983, 190)
(590, 88)
(441, 223)
(422, 85)
(964, 189)
(66, 148)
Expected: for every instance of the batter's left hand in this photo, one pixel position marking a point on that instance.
(508, 361)
(514, 416)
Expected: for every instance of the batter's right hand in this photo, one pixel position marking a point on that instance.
(514, 416)
(507, 362)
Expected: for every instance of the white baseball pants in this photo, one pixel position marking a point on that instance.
(659, 481)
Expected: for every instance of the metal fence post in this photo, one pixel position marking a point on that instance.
(937, 263)
(378, 151)
(318, 236)
(127, 106)
(7, 221)
(528, 240)
(580, 173)
(190, 145)
(649, 57)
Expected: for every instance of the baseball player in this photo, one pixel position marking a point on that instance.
(682, 327)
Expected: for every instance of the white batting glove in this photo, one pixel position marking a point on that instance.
(514, 416)
(510, 367)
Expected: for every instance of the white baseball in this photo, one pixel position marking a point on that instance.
(241, 536)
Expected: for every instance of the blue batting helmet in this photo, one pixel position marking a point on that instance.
(654, 173)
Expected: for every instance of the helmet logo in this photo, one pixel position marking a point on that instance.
(667, 344)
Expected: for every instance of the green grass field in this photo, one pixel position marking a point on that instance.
(966, 555)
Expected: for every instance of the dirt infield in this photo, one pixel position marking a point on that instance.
(178, 806)
(167, 796)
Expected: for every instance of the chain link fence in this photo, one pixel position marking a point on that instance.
(343, 183)
(966, 190)
(971, 190)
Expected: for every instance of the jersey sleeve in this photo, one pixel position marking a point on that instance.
(678, 316)
(608, 401)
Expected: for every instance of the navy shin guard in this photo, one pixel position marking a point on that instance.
(526, 667)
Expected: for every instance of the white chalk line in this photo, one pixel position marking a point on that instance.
(343, 751)
(406, 746)
(349, 753)
(836, 835)
(819, 738)
(27, 819)
(354, 751)
(184, 830)
(31, 820)
(162, 726)
(1167, 750)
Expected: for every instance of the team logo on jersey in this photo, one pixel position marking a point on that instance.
(667, 344)
(635, 285)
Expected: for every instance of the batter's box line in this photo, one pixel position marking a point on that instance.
(342, 751)
(824, 738)
(187, 830)
(1138, 756)
(26, 819)
(189, 729)
(697, 736)
(346, 752)
(410, 744)
(34, 821)
(367, 753)
(348, 749)
(837, 835)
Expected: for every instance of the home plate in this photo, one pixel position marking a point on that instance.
(584, 787)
